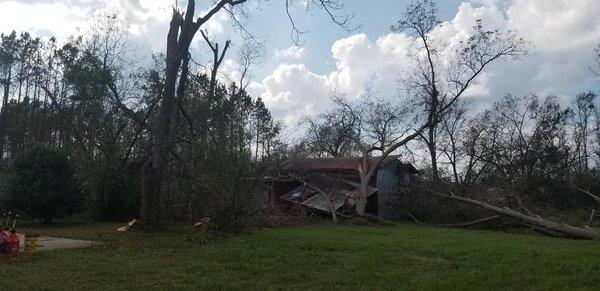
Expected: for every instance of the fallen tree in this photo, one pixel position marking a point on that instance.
(595, 197)
(541, 225)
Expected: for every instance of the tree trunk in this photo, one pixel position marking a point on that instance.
(361, 202)
(431, 143)
(567, 230)
(150, 198)
(154, 169)
(3, 114)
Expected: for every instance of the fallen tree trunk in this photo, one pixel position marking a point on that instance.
(567, 230)
(473, 222)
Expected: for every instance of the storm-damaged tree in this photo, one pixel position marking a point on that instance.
(182, 30)
(517, 147)
(371, 125)
(443, 72)
(465, 62)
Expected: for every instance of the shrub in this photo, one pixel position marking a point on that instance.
(42, 184)
(111, 190)
(227, 188)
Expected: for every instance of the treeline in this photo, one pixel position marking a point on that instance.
(80, 102)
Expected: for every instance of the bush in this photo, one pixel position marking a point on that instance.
(227, 187)
(111, 190)
(42, 185)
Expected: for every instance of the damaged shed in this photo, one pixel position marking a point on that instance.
(321, 184)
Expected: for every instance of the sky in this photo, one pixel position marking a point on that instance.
(296, 81)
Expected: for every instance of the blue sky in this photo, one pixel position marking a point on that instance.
(373, 16)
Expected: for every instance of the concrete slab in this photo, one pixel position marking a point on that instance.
(47, 243)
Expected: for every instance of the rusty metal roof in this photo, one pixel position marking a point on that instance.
(348, 163)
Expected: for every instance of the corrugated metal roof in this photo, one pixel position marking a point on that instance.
(350, 163)
(343, 163)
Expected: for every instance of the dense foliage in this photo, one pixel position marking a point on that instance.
(42, 184)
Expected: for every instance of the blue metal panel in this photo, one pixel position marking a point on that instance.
(392, 185)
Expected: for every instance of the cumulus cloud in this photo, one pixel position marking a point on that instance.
(292, 90)
(292, 53)
(34, 17)
(563, 34)
(148, 19)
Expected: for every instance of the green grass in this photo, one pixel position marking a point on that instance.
(316, 256)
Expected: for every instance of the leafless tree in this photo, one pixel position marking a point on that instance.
(453, 126)
(440, 80)
(368, 125)
(474, 54)
(584, 109)
(327, 135)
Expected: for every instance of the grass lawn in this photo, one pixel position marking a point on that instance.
(315, 256)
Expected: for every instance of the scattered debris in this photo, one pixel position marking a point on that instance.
(341, 195)
(332, 186)
(130, 225)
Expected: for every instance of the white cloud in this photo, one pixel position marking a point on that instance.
(292, 53)
(293, 91)
(148, 19)
(46, 19)
(563, 34)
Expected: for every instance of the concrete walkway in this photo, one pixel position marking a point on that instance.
(47, 243)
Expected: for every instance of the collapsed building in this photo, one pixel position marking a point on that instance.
(323, 184)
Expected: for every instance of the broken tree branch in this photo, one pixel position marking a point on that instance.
(567, 230)
(473, 222)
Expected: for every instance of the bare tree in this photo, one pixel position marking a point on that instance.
(327, 134)
(452, 126)
(474, 54)
(369, 126)
(182, 29)
(584, 108)
(438, 82)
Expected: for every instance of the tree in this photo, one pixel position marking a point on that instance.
(469, 60)
(437, 82)
(452, 127)
(42, 185)
(327, 135)
(584, 108)
(182, 29)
